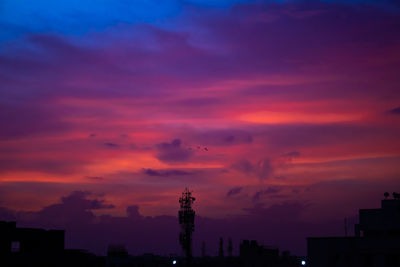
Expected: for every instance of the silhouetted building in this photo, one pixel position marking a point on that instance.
(39, 247)
(117, 251)
(255, 255)
(376, 241)
(27, 240)
(21, 245)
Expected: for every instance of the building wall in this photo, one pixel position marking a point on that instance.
(29, 239)
(378, 245)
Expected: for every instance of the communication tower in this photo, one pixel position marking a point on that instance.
(186, 220)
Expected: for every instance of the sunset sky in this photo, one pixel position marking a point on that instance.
(260, 107)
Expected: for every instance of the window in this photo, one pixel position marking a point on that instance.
(15, 246)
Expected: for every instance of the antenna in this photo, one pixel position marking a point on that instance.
(221, 247)
(230, 247)
(186, 220)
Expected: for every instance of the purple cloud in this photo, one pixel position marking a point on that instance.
(244, 166)
(226, 137)
(23, 118)
(269, 190)
(293, 154)
(133, 212)
(395, 111)
(173, 152)
(96, 178)
(234, 191)
(74, 208)
(263, 169)
(55, 166)
(111, 145)
(165, 173)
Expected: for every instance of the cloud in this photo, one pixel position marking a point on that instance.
(45, 165)
(133, 212)
(269, 190)
(299, 136)
(395, 111)
(79, 198)
(193, 79)
(7, 214)
(226, 137)
(74, 208)
(263, 169)
(165, 173)
(108, 14)
(293, 154)
(140, 148)
(111, 145)
(85, 230)
(23, 118)
(234, 191)
(96, 178)
(244, 166)
(285, 211)
(173, 152)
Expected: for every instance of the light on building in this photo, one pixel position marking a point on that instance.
(303, 263)
(174, 262)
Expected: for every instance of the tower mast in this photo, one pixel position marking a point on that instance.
(186, 220)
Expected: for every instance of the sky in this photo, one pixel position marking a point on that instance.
(283, 117)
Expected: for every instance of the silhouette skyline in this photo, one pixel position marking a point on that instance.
(376, 242)
(39, 247)
(76, 214)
